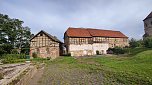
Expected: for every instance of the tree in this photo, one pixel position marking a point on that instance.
(134, 43)
(12, 32)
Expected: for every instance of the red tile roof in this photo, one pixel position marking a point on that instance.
(78, 32)
(89, 32)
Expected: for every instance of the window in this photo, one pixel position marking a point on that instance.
(151, 22)
(74, 41)
(41, 34)
(81, 41)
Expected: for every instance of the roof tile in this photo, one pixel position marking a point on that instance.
(89, 32)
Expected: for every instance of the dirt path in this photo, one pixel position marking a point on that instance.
(32, 76)
(35, 78)
(61, 74)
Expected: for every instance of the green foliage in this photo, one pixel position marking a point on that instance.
(13, 58)
(135, 51)
(135, 43)
(148, 42)
(5, 48)
(14, 51)
(117, 50)
(25, 51)
(13, 33)
(40, 60)
(34, 55)
(2, 52)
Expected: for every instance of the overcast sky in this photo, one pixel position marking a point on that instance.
(55, 16)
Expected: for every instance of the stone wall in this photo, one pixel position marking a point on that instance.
(148, 27)
(45, 52)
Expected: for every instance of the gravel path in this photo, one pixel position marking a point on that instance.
(62, 74)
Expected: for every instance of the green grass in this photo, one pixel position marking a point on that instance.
(134, 51)
(133, 70)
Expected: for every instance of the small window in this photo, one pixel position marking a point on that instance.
(41, 34)
(151, 22)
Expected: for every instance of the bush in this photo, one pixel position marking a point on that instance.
(2, 52)
(14, 51)
(148, 42)
(6, 48)
(13, 58)
(25, 51)
(34, 55)
(134, 43)
(117, 50)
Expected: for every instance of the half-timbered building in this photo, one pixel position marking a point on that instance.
(45, 45)
(88, 41)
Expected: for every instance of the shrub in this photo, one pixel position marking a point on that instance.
(13, 58)
(14, 51)
(6, 48)
(8, 58)
(34, 55)
(25, 51)
(134, 43)
(148, 42)
(117, 50)
(2, 52)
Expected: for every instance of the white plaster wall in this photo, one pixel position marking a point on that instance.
(80, 47)
(100, 47)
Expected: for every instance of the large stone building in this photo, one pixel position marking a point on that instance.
(148, 25)
(45, 45)
(88, 41)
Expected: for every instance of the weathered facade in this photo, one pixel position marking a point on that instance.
(81, 41)
(148, 25)
(45, 45)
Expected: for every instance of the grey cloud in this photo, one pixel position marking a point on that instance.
(55, 16)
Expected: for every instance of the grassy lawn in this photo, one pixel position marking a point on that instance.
(107, 70)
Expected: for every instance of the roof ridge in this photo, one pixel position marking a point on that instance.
(91, 28)
(54, 38)
(149, 16)
(103, 29)
(80, 32)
